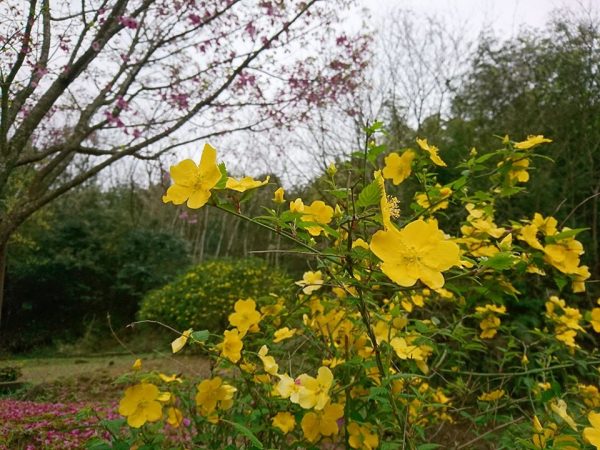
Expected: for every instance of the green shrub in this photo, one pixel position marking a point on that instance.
(203, 297)
(10, 373)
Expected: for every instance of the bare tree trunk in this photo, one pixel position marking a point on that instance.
(221, 235)
(3, 251)
(234, 233)
(204, 231)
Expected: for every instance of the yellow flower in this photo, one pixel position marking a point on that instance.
(311, 282)
(592, 434)
(419, 251)
(398, 168)
(282, 334)
(590, 394)
(559, 406)
(245, 316)
(170, 378)
(268, 361)
(595, 319)
(331, 170)
(322, 423)
(174, 417)
(361, 243)
(490, 322)
(433, 152)
(137, 365)
(362, 437)
(564, 255)
(388, 209)
(232, 345)
(404, 350)
(288, 388)
(314, 392)
(317, 212)
(437, 197)
(541, 435)
(297, 206)
(278, 196)
(531, 142)
(285, 421)
(244, 184)
(491, 396)
(518, 169)
(140, 404)
(180, 342)
(214, 393)
(192, 183)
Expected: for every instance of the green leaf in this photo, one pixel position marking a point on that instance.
(338, 193)
(428, 446)
(500, 261)
(375, 151)
(369, 196)
(200, 336)
(223, 181)
(565, 235)
(246, 432)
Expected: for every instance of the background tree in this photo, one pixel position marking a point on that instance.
(86, 84)
(542, 83)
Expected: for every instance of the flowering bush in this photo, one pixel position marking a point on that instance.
(30, 425)
(203, 297)
(401, 335)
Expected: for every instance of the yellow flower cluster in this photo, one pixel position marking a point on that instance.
(566, 320)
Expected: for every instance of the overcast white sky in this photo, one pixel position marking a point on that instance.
(506, 17)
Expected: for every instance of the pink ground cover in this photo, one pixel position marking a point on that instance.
(32, 425)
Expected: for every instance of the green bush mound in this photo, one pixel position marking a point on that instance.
(203, 297)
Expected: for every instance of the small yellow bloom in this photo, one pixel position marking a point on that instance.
(244, 184)
(192, 183)
(278, 196)
(137, 365)
(592, 434)
(319, 213)
(285, 421)
(331, 170)
(314, 392)
(269, 363)
(491, 396)
(559, 406)
(398, 168)
(231, 347)
(595, 319)
(170, 378)
(404, 350)
(531, 142)
(362, 437)
(180, 342)
(288, 388)
(311, 282)
(322, 423)
(360, 243)
(245, 316)
(174, 417)
(283, 334)
(433, 152)
(213, 394)
(141, 404)
(436, 200)
(297, 206)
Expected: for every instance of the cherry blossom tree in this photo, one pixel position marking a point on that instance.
(86, 84)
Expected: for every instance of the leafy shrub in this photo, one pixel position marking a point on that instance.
(10, 373)
(204, 296)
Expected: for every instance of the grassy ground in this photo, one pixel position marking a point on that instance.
(91, 378)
